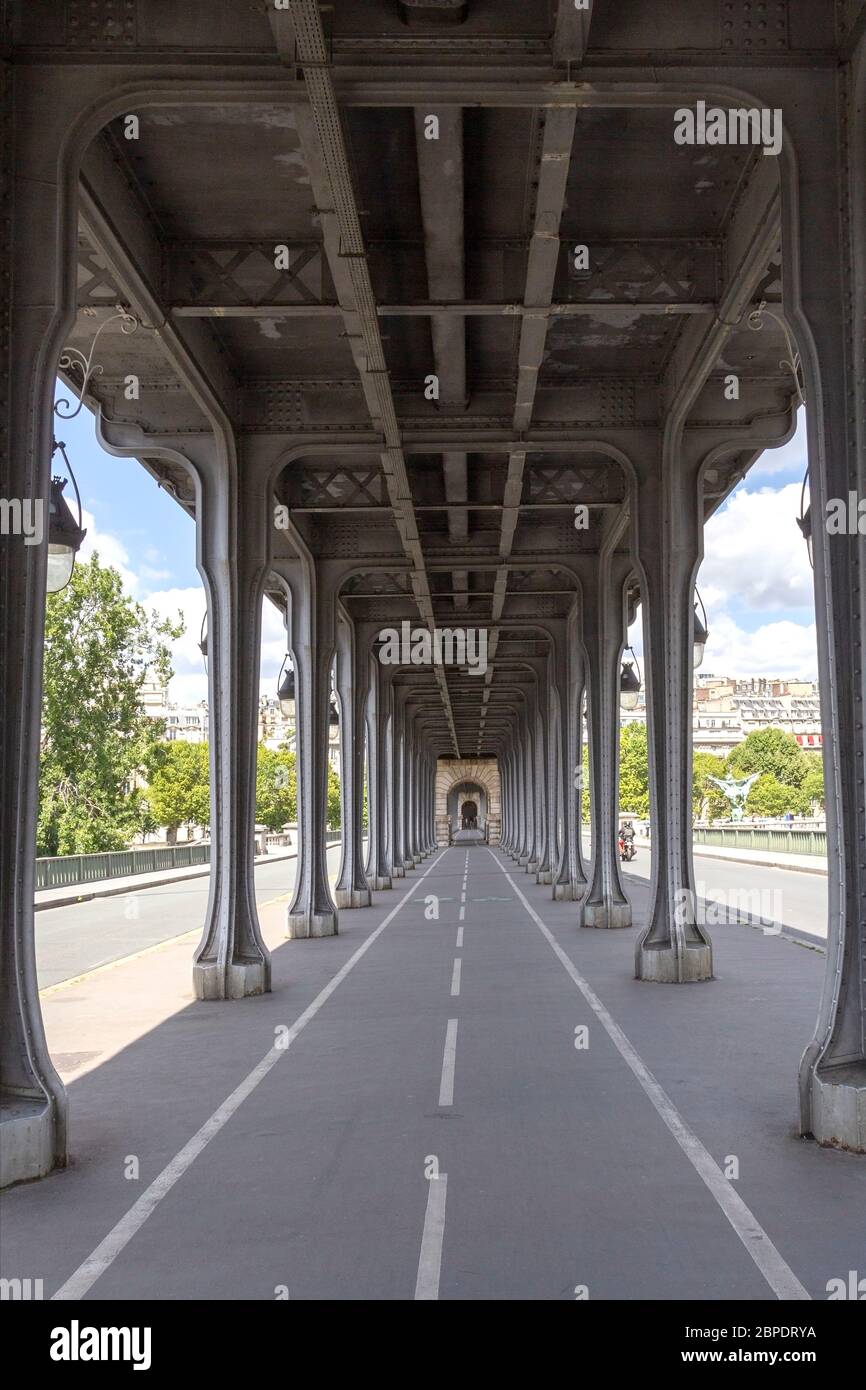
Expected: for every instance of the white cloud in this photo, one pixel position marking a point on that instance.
(776, 649)
(111, 551)
(755, 557)
(754, 552)
(189, 684)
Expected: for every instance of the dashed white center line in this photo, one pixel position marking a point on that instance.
(446, 1085)
(459, 942)
(430, 1260)
(455, 979)
(462, 914)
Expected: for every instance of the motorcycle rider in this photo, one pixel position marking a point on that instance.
(626, 840)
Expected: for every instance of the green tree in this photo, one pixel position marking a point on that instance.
(276, 788)
(812, 789)
(179, 791)
(634, 769)
(334, 807)
(769, 797)
(773, 752)
(706, 798)
(96, 740)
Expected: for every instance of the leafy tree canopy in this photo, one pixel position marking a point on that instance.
(769, 797)
(179, 791)
(96, 740)
(276, 788)
(812, 789)
(335, 813)
(770, 751)
(634, 769)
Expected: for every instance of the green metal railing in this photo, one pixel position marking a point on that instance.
(781, 841)
(62, 870)
(65, 870)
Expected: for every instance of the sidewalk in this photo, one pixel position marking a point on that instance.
(769, 859)
(71, 893)
(801, 863)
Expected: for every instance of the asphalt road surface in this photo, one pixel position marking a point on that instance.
(72, 940)
(478, 1102)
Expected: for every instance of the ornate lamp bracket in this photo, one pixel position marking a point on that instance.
(792, 362)
(74, 361)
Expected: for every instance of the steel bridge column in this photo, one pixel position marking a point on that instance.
(232, 524)
(505, 783)
(429, 829)
(675, 947)
(605, 904)
(411, 790)
(33, 1102)
(546, 837)
(825, 241)
(429, 843)
(400, 863)
(410, 850)
(527, 797)
(380, 779)
(312, 911)
(353, 688)
(536, 781)
(569, 882)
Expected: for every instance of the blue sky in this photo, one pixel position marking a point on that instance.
(755, 578)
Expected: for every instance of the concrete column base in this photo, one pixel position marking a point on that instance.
(607, 916)
(302, 925)
(353, 897)
(662, 965)
(380, 882)
(239, 980)
(522, 860)
(569, 892)
(839, 1107)
(27, 1140)
(544, 876)
(398, 871)
(531, 865)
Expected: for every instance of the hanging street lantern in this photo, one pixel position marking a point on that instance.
(65, 534)
(286, 689)
(700, 633)
(629, 685)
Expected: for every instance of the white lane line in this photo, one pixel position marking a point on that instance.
(449, 1059)
(463, 896)
(778, 1274)
(430, 1259)
(459, 942)
(455, 979)
(107, 1251)
(462, 916)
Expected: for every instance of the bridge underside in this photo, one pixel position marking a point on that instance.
(429, 319)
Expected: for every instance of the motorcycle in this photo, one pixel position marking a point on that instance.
(627, 850)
